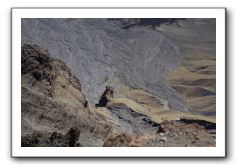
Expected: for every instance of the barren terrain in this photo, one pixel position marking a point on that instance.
(118, 82)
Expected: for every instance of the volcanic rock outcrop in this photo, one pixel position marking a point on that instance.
(52, 104)
(106, 97)
(162, 73)
(172, 133)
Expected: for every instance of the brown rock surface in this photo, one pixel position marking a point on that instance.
(182, 133)
(52, 102)
(163, 81)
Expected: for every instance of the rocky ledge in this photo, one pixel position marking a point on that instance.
(55, 112)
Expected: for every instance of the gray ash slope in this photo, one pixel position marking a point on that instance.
(102, 53)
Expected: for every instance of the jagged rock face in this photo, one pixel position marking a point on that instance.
(162, 78)
(102, 53)
(55, 112)
(106, 97)
(173, 133)
(51, 77)
(52, 105)
(51, 95)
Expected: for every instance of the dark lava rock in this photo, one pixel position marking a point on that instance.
(106, 97)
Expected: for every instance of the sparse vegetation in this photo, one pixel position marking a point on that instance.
(128, 85)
